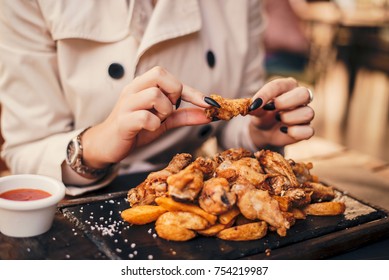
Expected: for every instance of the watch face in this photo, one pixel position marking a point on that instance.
(72, 152)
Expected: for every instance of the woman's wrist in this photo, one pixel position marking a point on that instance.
(94, 147)
(260, 139)
(75, 159)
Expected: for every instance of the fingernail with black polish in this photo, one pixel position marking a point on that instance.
(178, 103)
(256, 104)
(211, 101)
(278, 117)
(269, 106)
(284, 129)
(215, 119)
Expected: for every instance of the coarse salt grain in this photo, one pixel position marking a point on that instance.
(132, 245)
(150, 257)
(131, 256)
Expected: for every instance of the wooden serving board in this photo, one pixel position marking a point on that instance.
(91, 228)
(312, 238)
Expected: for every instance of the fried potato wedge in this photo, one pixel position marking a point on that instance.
(174, 233)
(250, 231)
(183, 219)
(283, 202)
(142, 214)
(228, 216)
(330, 208)
(171, 205)
(213, 230)
(179, 226)
(298, 214)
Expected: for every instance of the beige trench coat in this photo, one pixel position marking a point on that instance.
(54, 70)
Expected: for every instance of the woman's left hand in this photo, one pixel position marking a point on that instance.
(280, 113)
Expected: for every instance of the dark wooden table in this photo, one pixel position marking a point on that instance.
(90, 227)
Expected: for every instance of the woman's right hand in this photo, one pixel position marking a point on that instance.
(145, 110)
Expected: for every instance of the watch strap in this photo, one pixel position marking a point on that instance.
(79, 167)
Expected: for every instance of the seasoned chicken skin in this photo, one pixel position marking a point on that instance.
(155, 184)
(216, 197)
(232, 155)
(246, 167)
(187, 184)
(258, 204)
(229, 108)
(275, 164)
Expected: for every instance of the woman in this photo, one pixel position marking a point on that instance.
(86, 87)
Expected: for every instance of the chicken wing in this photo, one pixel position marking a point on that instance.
(187, 184)
(216, 197)
(275, 164)
(229, 108)
(258, 204)
(246, 167)
(232, 154)
(155, 184)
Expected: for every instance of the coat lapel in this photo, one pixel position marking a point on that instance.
(163, 22)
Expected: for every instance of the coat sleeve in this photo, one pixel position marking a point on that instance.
(36, 122)
(235, 133)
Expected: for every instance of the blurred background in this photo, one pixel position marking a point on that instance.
(341, 50)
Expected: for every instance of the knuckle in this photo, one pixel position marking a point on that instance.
(154, 92)
(159, 71)
(292, 81)
(310, 113)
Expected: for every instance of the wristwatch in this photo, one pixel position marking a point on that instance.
(74, 159)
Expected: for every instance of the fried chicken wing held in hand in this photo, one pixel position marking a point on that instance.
(155, 184)
(229, 108)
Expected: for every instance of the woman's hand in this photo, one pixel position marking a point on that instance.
(280, 114)
(147, 108)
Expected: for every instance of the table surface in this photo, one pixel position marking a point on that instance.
(79, 233)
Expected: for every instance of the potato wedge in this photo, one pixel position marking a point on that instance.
(298, 214)
(172, 205)
(228, 216)
(212, 230)
(142, 214)
(283, 202)
(183, 219)
(330, 208)
(250, 231)
(174, 233)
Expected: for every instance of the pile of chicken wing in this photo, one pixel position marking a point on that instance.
(257, 187)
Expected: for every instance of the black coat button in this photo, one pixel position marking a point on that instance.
(205, 131)
(116, 70)
(211, 59)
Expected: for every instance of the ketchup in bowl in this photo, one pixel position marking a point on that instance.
(24, 194)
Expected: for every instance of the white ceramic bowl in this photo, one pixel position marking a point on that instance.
(29, 218)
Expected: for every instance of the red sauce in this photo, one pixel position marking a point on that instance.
(24, 194)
